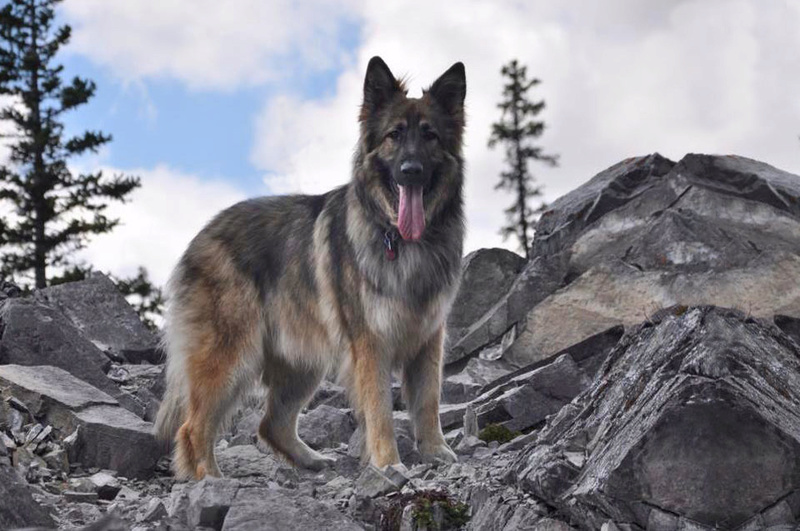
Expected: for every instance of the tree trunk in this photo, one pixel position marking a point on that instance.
(37, 176)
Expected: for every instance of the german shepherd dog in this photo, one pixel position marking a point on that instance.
(285, 289)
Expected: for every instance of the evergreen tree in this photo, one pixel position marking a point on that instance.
(516, 130)
(146, 298)
(54, 210)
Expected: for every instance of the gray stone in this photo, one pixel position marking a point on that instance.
(330, 394)
(693, 414)
(540, 277)
(789, 325)
(80, 497)
(230, 504)
(37, 335)
(98, 309)
(486, 275)
(108, 435)
(468, 444)
(467, 384)
(112, 437)
(528, 398)
(248, 461)
(648, 234)
(257, 509)
(42, 388)
(153, 512)
(326, 427)
(17, 506)
(374, 482)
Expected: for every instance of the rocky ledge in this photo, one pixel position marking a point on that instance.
(640, 372)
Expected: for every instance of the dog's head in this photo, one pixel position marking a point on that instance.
(411, 147)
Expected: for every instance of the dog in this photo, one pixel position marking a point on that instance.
(285, 289)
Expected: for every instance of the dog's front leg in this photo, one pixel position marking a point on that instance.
(421, 385)
(372, 380)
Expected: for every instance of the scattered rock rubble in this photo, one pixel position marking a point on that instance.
(639, 372)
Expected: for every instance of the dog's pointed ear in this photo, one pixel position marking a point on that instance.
(450, 89)
(380, 86)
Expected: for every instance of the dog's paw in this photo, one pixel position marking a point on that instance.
(439, 452)
(398, 468)
(317, 462)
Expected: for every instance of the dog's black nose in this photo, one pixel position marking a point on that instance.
(411, 168)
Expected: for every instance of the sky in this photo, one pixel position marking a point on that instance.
(211, 102)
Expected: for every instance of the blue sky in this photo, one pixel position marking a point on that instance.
(202, 131)
(210, 102)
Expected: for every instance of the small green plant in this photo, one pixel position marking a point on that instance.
(424, 504)
(497, 432)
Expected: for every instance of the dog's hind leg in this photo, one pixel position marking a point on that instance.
(215, 379)
(290, 389)
(421, 384)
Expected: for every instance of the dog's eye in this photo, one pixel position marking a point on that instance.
(429, 135)
(395, 134)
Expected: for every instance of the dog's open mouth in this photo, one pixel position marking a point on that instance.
(411, 213)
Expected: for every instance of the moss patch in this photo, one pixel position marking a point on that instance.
(497, 432)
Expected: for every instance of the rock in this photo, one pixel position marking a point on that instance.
(470, 422)
(249, 461)
(527, 399)
(97, 308)
(486, 275)
(648, 234)
(374, 482)
(112, 437)
(789, 325)
(467, 384)
(227, 504)
(330, 394)
(106, 485)
(468, 444)
(80, 497)
(693, 416)
(108, 435)
(17, 506)
(36, 334)
(153, 512)
(540, 277)
(326, 427)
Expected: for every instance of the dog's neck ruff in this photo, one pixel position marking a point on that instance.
(390, 241)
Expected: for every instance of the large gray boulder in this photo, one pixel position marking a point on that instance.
(486, 275)
(692, 421)
(107, 435)
(37, 334)
(649, 233)
(18, 509)
(97, 308)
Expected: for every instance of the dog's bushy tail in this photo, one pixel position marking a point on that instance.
(172, 411)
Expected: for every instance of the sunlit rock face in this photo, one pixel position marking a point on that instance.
(648, 233)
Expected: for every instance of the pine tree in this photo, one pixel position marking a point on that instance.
(54, 210)
(516, 130)
(146, 298)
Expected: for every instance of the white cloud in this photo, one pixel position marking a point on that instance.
(628, 77)
(208, 43)
(158, 222)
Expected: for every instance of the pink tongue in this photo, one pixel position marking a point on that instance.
(411, 214)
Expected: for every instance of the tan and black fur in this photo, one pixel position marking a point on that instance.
(287, 289)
